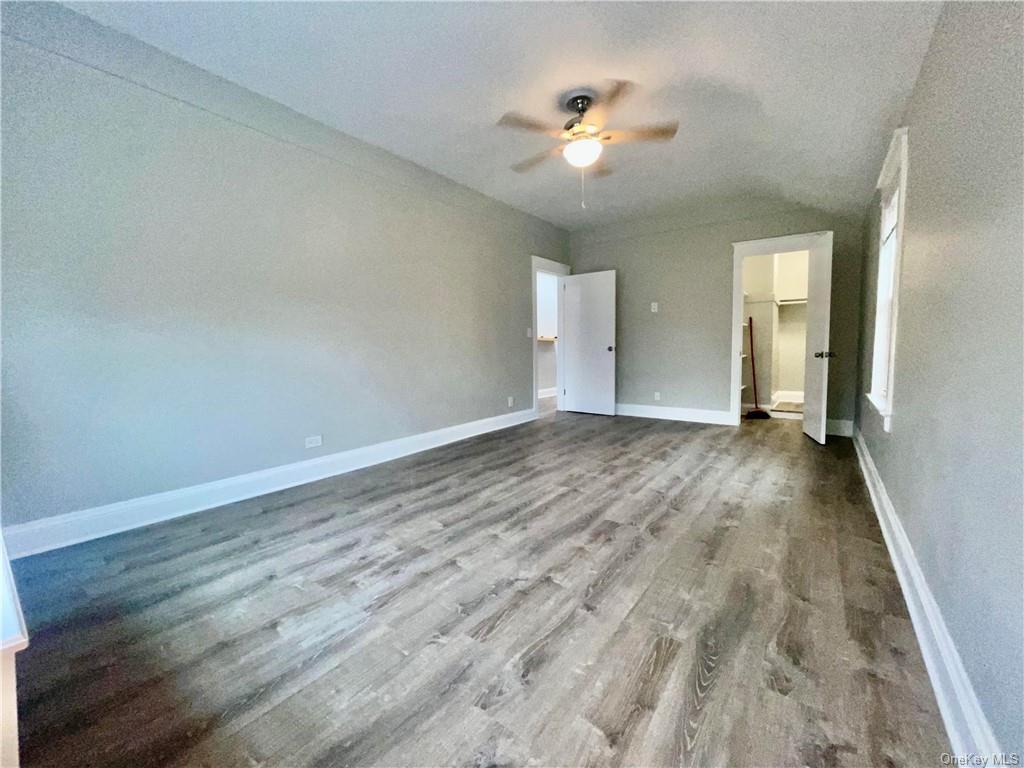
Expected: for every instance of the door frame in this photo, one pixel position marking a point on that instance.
(540, 264)
(740, 250)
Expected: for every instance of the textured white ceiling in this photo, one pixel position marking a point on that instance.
(787, 99)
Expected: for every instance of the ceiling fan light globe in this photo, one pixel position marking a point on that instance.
(582, 153)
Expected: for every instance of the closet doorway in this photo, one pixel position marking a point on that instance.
(775, 308)
(782, 291)
(546, 376)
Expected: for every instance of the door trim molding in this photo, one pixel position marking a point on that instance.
(84, 525)
(740, 250)
(966, 725)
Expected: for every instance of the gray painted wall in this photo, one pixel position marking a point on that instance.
(683, 260)
(194, 282)
(952, 463)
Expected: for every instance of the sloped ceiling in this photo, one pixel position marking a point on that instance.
(785, 99)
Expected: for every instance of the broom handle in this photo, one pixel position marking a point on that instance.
(753, 365)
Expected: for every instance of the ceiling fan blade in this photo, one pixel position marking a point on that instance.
(532, 162)
(598, 114)
(660, 132)
(524, 123)
(618, 90)
(599, 169)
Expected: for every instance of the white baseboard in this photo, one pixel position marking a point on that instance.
(786, 415)
(75, 527)
(966, 725)
(549, 392)
(699, 415)
(787, 396)
(841, 427)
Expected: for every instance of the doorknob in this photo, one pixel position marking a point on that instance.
(611, 349)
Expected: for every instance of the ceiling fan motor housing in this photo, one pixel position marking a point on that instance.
(578, 102)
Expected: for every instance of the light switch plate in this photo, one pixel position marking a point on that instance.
(654, 306)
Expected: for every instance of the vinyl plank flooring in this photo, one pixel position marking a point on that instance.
(580, 590)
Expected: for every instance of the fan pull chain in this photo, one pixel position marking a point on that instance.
(583, 189)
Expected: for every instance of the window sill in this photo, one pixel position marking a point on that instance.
(883, 408)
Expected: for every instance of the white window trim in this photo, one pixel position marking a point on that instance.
(894, 173)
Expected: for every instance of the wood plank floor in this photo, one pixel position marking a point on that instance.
(580, 590)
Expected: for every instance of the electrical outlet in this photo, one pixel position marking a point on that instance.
(654, 306)
(529, 333)
(657, 395)
(511, 401)
(315, 441)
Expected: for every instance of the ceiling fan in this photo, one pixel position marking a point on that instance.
(583, 137)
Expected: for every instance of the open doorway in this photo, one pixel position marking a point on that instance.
(782, 290)
(775, 312)
(546, 341)
(546, 375)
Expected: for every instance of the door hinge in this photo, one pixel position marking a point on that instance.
(824, 354)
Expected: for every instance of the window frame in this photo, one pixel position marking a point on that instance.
(892, 180)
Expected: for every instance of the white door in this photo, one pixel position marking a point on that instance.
(819, 301)
(586, 339)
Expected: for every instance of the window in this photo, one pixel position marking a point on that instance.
(893, 186)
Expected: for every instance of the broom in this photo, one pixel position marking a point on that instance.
(755, 412)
